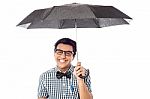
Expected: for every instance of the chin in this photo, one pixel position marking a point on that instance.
(63, 66)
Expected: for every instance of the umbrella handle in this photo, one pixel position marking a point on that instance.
(86, 72)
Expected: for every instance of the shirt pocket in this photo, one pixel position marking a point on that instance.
(74, 90)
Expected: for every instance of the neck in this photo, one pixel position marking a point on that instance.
(64, 70)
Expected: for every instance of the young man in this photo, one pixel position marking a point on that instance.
(64, 81)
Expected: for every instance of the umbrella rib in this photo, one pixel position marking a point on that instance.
(96, 22)
(61, 24)
(44, 17)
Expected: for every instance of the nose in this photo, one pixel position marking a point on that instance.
(63, 55)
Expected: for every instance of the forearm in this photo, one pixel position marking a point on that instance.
(42, 98)
(83, 91)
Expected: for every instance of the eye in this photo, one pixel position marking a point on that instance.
(59, 52)
(69, 53)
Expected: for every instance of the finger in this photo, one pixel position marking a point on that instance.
(79, 71)
(78, 67)
(78, 63)
(82, 72)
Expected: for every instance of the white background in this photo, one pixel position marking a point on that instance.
(118, 56)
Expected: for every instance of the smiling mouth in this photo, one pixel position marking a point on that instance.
(62, 61)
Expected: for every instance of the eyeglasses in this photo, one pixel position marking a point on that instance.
(60, 52)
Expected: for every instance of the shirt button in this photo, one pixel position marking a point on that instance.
(63, 84)
(64, 94)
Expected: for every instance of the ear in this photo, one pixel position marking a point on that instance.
(72, 58)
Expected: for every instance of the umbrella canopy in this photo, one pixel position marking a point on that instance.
(75, 16)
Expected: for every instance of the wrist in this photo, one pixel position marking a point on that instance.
(80, 80)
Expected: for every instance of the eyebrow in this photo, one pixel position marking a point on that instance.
(62, 50)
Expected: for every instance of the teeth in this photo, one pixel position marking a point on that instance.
(62, 61)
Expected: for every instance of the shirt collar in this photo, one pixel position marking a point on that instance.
(71, 69)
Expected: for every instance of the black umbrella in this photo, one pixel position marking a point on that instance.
(75, 16)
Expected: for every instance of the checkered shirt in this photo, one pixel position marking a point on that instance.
(53, 88)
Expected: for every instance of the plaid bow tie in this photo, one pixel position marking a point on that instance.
(60, 74)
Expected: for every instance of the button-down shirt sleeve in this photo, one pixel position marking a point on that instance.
(87, 81)
(42, 90)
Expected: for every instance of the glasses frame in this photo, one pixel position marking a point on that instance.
(66, 53)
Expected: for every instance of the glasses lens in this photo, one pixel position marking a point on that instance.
(69, 53)
(59, 52)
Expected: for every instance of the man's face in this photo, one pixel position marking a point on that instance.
(63, 56)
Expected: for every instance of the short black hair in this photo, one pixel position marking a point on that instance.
(67, 41)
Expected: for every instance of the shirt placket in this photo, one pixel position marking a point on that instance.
(64, 86)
